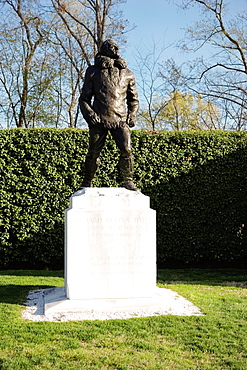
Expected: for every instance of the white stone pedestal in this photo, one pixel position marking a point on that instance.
(110, 245)
(110, 261)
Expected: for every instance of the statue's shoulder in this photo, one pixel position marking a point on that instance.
(128, 72)
(91, 70)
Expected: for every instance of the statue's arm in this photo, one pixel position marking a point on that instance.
(85, 99)
(132, 102)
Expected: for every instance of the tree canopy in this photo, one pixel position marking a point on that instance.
(45, 49)
(179, 111)
(222, 75)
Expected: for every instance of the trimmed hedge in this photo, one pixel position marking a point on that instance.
(196, 182)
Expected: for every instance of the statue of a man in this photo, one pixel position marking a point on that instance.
(111, 86)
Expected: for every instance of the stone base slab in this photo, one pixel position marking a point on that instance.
(163, 301)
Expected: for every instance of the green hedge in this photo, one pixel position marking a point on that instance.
(196, 182)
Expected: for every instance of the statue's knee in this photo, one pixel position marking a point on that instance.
(93, 155)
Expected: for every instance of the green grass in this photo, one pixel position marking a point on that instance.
(217, 340)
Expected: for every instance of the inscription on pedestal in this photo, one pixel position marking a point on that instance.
(110, 253)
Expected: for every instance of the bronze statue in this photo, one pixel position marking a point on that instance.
(112, 87)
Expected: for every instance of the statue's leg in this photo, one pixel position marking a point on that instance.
(97, 137)
(122, 138)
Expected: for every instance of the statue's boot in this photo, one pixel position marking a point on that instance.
(91, 165)
(126, 166)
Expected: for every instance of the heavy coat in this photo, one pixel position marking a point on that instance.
(112, 87)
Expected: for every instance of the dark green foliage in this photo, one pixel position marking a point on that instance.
(196, 182)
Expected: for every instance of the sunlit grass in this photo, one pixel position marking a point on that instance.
(216, 340)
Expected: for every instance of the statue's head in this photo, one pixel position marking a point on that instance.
(110, 49)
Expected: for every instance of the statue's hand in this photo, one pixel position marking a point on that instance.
(94, 119)
(131, 121)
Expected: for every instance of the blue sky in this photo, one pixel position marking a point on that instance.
(156, 21)
(162, 22)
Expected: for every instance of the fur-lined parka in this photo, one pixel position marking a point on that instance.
(111, 86)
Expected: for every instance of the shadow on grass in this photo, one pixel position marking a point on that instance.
(17, 294)
(219, 277)
(14, 290)
(44, 273)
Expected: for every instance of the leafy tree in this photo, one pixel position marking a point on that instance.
(179, 111)
(185, 111)
(151, 117)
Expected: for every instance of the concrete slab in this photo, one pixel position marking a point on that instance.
(55, 302)
(52, 305)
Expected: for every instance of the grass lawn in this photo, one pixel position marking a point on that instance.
(217, 340)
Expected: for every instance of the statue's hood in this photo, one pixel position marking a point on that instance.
(104, 62)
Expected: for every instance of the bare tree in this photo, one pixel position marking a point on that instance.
(27, 69)
(81, 27)
(99, 19)
(31, 38)
(223, 75)
(151, 84)
(45, 49)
